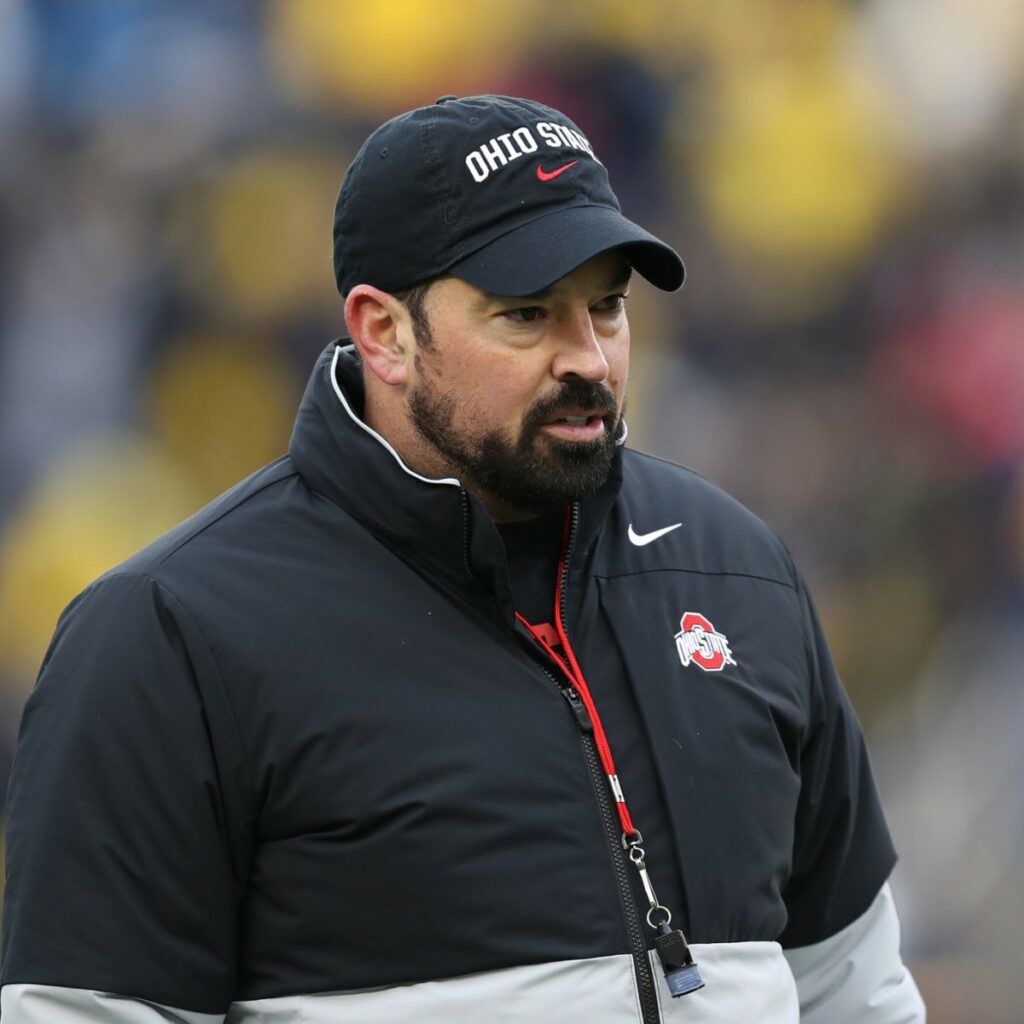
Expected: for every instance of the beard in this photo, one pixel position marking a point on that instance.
(534, 472)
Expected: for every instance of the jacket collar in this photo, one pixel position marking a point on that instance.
(435, 524)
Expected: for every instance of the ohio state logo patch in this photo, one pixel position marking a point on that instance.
(700, 644)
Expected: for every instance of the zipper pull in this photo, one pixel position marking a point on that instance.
(681, 973)
(579, 709)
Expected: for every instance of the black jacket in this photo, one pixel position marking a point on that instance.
(300, 745)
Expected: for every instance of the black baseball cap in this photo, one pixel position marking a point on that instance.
(504, 193)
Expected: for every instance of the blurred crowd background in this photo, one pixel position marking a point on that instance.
(845, 180)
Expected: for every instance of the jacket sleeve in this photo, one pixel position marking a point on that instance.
(857, 975)
(842, 936)
(842, 851)
(125, 833)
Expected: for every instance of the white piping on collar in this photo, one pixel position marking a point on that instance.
(449, 480)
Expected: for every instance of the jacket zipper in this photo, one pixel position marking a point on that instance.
(465, 533)
(641, 962)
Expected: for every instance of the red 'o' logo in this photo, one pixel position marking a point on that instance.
(700, 644)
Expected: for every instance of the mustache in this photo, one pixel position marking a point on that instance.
(574, 394)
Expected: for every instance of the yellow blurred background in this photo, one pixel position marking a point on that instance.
(845, 181)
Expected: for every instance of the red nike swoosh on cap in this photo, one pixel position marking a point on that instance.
(548, 175)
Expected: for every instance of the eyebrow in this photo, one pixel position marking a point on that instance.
(620, 280)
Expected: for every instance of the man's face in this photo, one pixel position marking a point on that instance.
(521, 398)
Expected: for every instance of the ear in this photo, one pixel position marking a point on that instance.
(378, 324)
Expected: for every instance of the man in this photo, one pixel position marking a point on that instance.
(461, 711)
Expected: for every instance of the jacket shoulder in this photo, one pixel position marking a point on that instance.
(232, 512)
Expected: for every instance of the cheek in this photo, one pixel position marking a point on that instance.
(491, 400)
(617, 354)
(512, 386)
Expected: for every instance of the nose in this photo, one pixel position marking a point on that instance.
(580, 355)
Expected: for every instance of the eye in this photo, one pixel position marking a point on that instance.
(611, 303)
(525, 314)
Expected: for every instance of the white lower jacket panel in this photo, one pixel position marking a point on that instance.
(54, 1004)
(746, 983)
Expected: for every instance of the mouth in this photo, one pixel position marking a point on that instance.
(578, 412)
(578, 425)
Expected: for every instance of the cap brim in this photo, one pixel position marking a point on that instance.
(532, 257)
